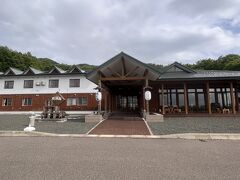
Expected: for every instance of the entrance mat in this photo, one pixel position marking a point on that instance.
(125, 127)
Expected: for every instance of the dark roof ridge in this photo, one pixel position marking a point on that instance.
(180, 66)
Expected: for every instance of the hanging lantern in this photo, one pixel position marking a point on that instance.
(148, 95)
(98, 96)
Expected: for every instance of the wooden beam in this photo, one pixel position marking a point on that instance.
(123, 67)
(114, 72)
(122, 78)
(132, 71)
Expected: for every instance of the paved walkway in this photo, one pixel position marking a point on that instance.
(121, 125)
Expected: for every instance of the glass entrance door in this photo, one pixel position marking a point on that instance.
(127, 103)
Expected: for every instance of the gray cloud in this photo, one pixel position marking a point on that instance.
(93, 31)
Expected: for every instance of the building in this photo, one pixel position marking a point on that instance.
(123, 80)
(29, 90)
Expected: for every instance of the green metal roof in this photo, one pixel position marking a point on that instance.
(77, 68)
(178, 65)
(33, 70)
(61, 71)
(201, 75)
(15, 71)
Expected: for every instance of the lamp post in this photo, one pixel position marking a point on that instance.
(148, 97)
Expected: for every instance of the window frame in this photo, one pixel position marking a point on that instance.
(77, 101)
(49, 83)
(6, 104)
(70, 85)
(80, 104)
(26, 87)
(73, 99)
(23, 101)
(7, 87)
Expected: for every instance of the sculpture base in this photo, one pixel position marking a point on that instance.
(29, 129)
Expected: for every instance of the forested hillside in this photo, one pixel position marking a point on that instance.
(228, 62)
(11, 58)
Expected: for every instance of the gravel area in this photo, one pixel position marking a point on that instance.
(19, 122)
(174, 125)
(68, 127)
(171, 125)
(13, 122)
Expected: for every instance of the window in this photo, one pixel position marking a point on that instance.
(71, 101)
(8, 84)
(192, 100)
(172, 97)
(53, 83)
(74, 83)
(28, 84)
(77, 101)
(196, 100)
(26, 101)
(82, 101)
(7, 102)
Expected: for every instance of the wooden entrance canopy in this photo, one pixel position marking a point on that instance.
(122, 68)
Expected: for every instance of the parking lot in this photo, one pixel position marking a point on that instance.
(117, 158)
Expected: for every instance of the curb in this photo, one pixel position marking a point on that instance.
(188, 136)
(94, 127)
(149, 129)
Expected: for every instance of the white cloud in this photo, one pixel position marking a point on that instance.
(94, 31)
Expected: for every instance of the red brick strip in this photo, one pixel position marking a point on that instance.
(122, 127)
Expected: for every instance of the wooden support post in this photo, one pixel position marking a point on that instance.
(105, 102)
(163, 99)
(208, 98)
(185, 98)
(237, 102)
(109, 102)
(233, 98)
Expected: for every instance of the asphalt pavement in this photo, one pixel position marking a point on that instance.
(117, 158)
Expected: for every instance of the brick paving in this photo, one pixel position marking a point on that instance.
(122, 125)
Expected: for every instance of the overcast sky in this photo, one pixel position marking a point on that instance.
(88, 31)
